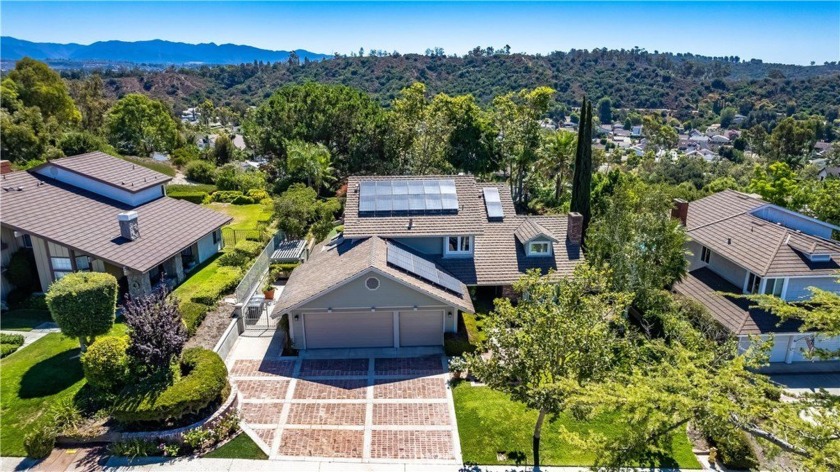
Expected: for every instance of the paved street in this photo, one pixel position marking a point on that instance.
(809, 383)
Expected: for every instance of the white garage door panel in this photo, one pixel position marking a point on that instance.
(340, 330)
(421, 328)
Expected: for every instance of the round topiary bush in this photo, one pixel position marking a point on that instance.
(106, 363)
(40, 442)
(203, 381)
(83, 304)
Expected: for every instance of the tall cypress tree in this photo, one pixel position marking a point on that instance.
(582, 179)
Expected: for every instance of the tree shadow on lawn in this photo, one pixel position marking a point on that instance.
(52, 375)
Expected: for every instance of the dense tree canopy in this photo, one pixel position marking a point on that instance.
(139, 125)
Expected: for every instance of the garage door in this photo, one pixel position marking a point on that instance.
(358, 329)
(421, 328)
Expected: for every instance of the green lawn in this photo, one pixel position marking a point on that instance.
(240, 447)
(197, 278)
(33, 380)
(23, 319)
(244, 216)
(489, 422)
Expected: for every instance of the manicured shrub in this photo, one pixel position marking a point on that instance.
(193, 314)
(40, 442)
(33, 302)
(106, 363)
(454, 345)
(225, 196)
(234, 259)
(83, 304)
(21, 271)
(250, 248)
(200, 171)
(203, 381)
(282, 270)
(243, 200)
(6, 349)
(157, 333)
(194, 197)
(222, 282)
(182, 188)
(11, 339)
(258, 194)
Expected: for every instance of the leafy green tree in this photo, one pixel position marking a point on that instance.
(605, 110)
(582, 179)
(140, 125)
(421, 133)
(517, 118)
(83, 304)
(635, 237)
(313, 161)
(206, 111)
(726, 116)
(223, 150)
(299, 211)
(25, 135)
(824, 201)
(557, 153)
(80, 142)
(559, 339)
(89, 95)
(791, 141)
(39, 86)
(776, 183)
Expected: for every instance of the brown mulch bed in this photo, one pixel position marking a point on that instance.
(213, 327)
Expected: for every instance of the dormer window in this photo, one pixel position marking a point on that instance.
(458, 246)
(819, 257)
(539, 248)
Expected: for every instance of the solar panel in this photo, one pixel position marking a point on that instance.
(407, 196)
(422, 268)
(493, 203)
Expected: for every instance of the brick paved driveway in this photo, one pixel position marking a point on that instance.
(366, 410)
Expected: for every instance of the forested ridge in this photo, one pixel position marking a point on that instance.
(633, 78)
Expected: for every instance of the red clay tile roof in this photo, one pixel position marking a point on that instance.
(724, 223)
(87, 222)
(111, 170)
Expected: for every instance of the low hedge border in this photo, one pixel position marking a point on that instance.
(193, 314)
(193, 197)
(223, 281)
(204, 379)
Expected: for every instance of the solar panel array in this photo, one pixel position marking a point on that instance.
(493, 203)
(422, 268)
(387, 197)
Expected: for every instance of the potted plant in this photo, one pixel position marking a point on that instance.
(268, 291)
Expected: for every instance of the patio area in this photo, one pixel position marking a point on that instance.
(356, 406)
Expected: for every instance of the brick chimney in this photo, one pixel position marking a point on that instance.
(129, 225)
(574, 228)
(5, 167)
(680, 210)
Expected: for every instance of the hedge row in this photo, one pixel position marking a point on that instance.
(203, 381)
(9, 343)
(194, 197)
(238, 198)
(184, 188)
(222, 282)
(193, 314)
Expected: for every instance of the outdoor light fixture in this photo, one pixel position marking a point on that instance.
(329, 310)
(297, 317)
(373, 308)
(415, 307)
(449, 315)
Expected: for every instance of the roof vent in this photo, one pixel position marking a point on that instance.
(410, 223)
(129, 225)
(728, 240)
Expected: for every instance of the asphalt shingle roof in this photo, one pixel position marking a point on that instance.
(111, 170)
(87, 222)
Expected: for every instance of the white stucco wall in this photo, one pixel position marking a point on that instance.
(114, 193)
(207, 248)
(726, 269)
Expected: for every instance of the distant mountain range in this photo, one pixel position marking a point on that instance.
(155, 51)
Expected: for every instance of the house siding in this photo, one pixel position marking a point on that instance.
(354, 294)
(99, 188)
(8, 237)
(695, 250)
(727, 269)
(798, 287)
(432, 246)
(42, 262)
(207, 248)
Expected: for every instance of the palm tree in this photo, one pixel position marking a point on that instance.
(312, 160)
(558, 153)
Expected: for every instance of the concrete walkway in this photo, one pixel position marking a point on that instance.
(37, 333)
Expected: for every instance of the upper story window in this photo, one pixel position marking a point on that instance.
(705, 254)
(458, 246)
(774, 287)
(539, 248)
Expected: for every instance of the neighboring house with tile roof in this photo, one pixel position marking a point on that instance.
(95, 212)
(741, 244)
(412, 247)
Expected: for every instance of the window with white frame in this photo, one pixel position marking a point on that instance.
(539, 248)
(60, 260)
(705, 254)
(774, 287)
(458, 246)
(753, 283)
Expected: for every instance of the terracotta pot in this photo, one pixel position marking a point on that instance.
(269, 294)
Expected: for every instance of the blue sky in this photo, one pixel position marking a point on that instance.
(790, 32)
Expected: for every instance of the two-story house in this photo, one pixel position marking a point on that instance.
(95, 212)
(741, 244)
(411, 250)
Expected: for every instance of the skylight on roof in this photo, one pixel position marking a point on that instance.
(402, 196)
(493, 203)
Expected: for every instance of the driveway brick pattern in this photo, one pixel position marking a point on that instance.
(365, 410)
